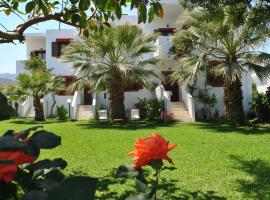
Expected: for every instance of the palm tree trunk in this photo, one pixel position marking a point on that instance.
(53, 105)
(233, 97)
(116, 97)
(39, 113)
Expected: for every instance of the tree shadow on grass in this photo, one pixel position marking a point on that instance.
(24, 121)
(126, 126)
(169, 190)
(259, 186)
(227, 128)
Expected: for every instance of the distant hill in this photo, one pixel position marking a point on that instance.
(7, 78)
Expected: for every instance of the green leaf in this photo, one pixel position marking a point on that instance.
(75, 18)
(30, 6)
(126, 171)
(83, 22)
(24, 134)
(45, 140)
(67, 16)
(118, 11)
(74, 1)
(156, 164)
(47, 164)
(84, 5)
(141, 186)
(74, 188)
(151, 14)
(142, 13)
(36, 195)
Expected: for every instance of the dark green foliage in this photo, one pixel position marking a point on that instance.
(61, 112)
(6, 111)
(41, 180)
(150, 109)
(261, 105)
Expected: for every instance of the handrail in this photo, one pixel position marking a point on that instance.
(163, 95)
(189, 102)
(75, 101)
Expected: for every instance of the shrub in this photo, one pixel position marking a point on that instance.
(150, 109)
(6, 111)
(61, 112)
(261, 105)
(208, 102)
(24, 176)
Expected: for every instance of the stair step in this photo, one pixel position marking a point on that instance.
(180, 112)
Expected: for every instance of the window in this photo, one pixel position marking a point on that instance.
(58, 46)
(67, 80)
(39, 53)
(165, 31)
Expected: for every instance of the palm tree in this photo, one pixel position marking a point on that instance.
(112, 59)
(225, 50)
(37, 81)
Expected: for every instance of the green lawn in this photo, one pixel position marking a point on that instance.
(212, 161)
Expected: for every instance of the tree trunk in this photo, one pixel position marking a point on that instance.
(39, 113)
(116, 97)
(53, 105)
(233, 97)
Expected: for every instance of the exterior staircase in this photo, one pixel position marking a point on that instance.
(180, 112)
(30, 113)
(84, 112)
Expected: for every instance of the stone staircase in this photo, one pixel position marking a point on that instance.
(180, 112)
(30, 113)
(84, 112)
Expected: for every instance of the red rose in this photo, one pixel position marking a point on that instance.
(154, 147)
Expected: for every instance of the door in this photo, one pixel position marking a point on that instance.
(174, 88)
(87, 96)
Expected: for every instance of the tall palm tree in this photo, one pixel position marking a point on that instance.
(225, 50)
(111, 59)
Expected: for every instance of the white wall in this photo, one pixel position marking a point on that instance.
(59, 67)
(131, 98)
(34, 43)
(60, 100)
(219, 93)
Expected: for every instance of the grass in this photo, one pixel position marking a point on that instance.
(212, 161)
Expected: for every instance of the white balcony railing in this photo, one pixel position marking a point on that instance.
(189, 102)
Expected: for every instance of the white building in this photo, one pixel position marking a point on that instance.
(48, 46)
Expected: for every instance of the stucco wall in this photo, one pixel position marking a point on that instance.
(219, 93)
(59, 67)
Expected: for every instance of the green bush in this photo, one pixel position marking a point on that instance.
(261, 105)
(61, 112)
(150, 109)
(6, 111)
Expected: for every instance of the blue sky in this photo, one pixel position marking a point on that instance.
(9, 53)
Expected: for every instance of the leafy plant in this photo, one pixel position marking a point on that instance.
(6, 111)
(150, 109)
(261, 105)
(22, 177)
(208, 102)
(150, 151)
(61, 112)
